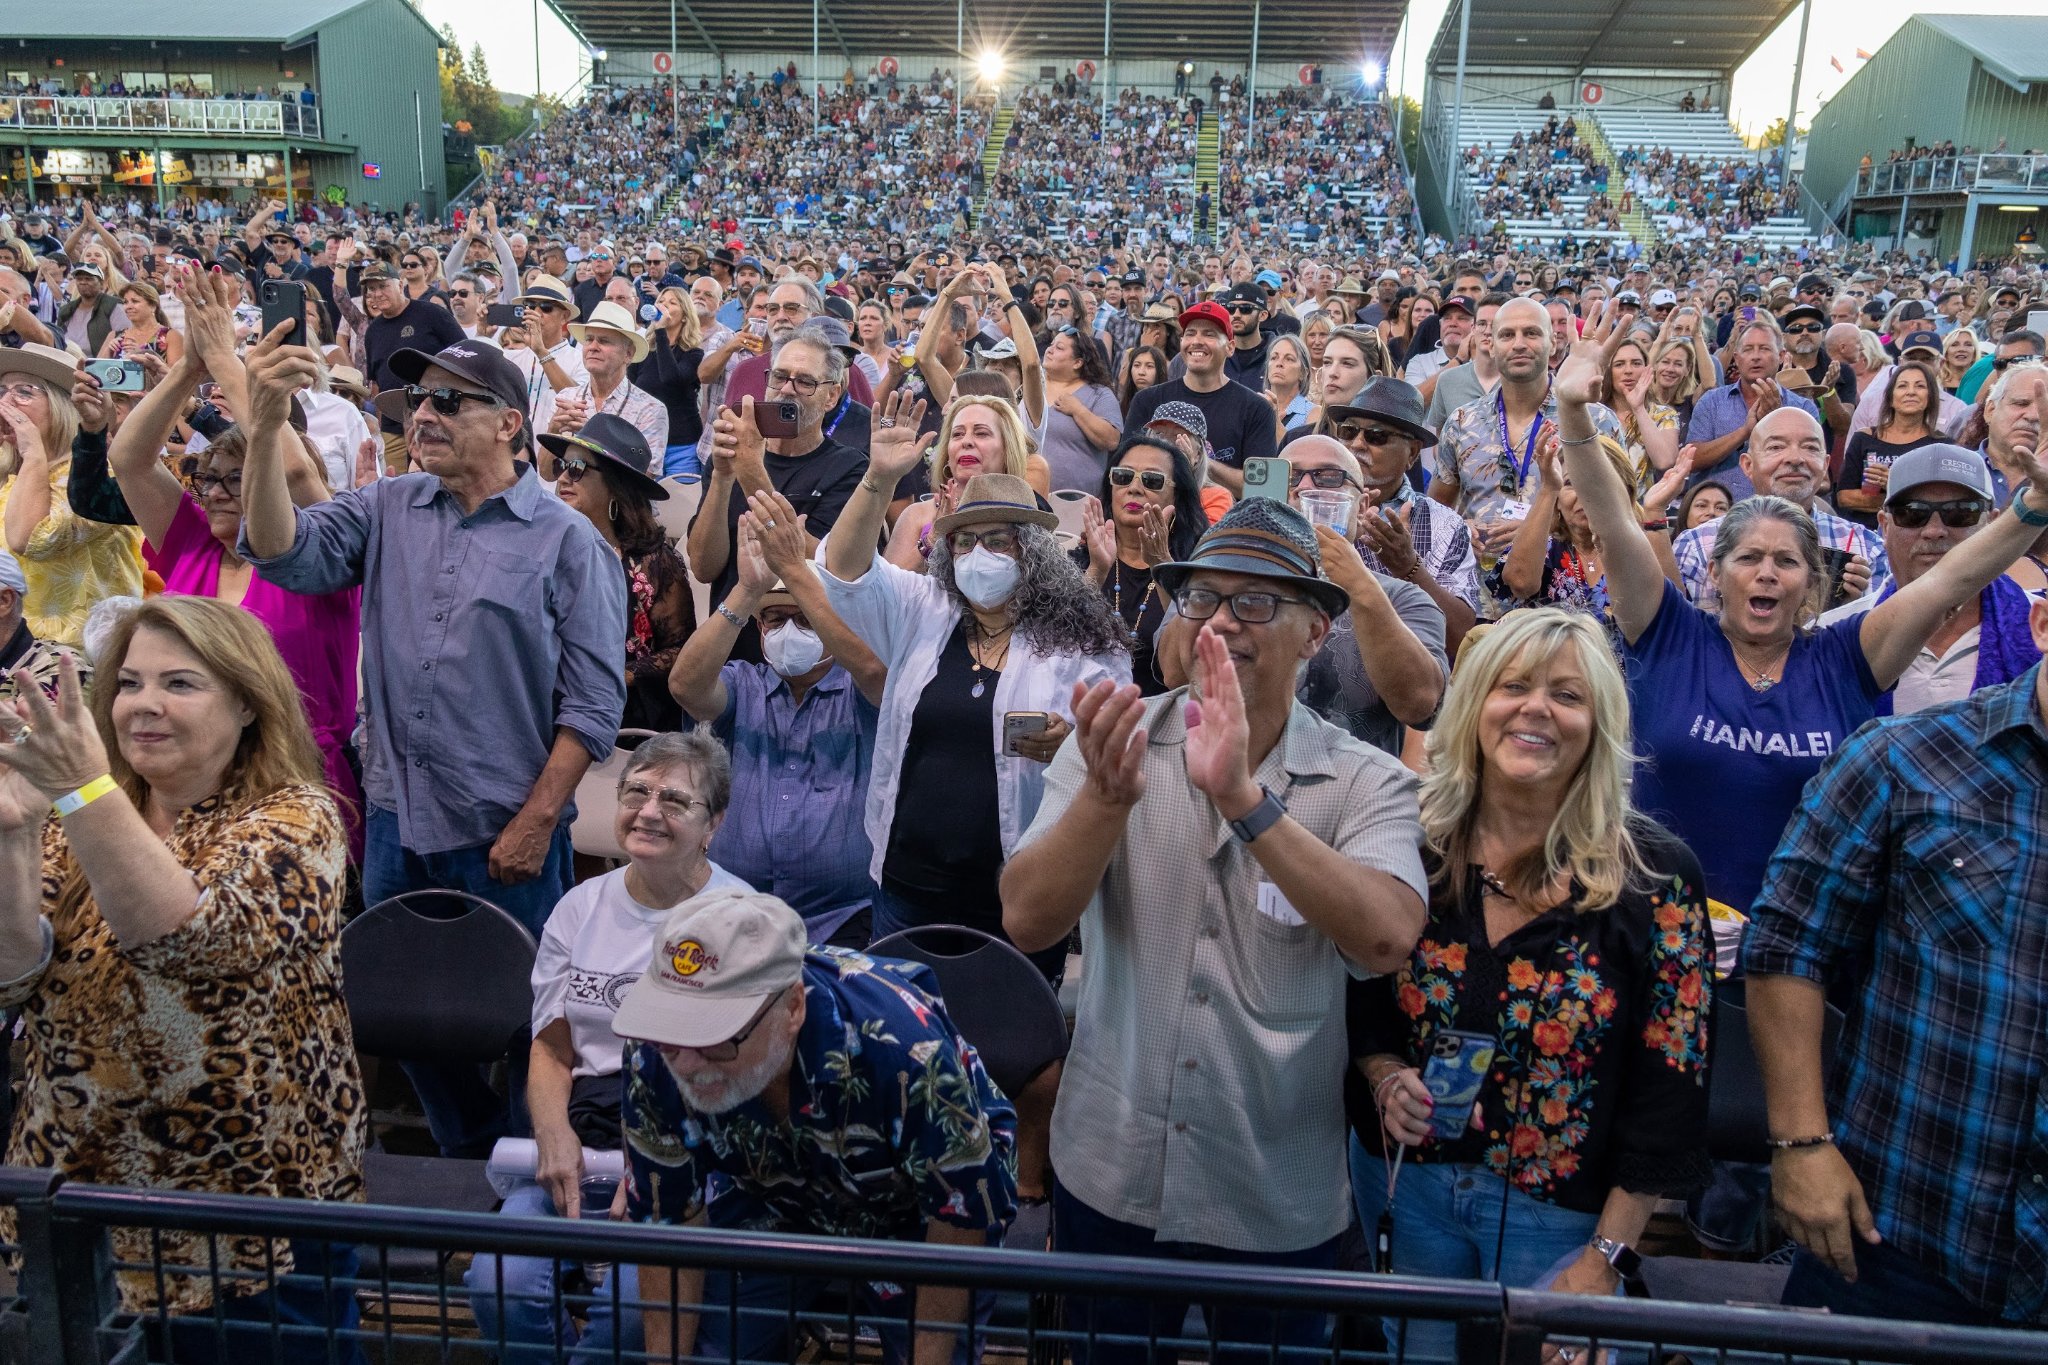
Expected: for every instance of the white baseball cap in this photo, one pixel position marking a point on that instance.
(718, 959)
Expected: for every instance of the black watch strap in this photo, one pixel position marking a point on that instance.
(1259, 818)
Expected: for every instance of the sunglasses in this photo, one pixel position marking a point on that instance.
(414, 265)
(1153, 480)
(1244, 308)
(1353, 432)
(1914, 514)
(572, 471)
(447, 402)
(1804, 328)
(2006, 362)
(1331, 478)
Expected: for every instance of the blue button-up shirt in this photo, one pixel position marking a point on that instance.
(1914, 875)
(1719, 411)
(799, 785)
(482, 635)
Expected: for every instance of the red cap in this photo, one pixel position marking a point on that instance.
(1207, 311)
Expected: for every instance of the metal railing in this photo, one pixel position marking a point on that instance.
(1955, 174)
(184, 118)
(1040, 1306)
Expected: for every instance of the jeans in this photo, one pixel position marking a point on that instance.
(1447, 1226)
(759, 1329)
(1254, 1332)
(464, 1114)
(307, 1310)
(892, 913)
(531, 1318)
(1889, 1284)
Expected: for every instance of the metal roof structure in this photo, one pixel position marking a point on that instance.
(1573, 35)
(188, 21)
(1335, 31)
(2012, 47)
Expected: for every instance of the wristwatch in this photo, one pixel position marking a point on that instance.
(1259, 818)
(2019, 507)
(1620, 1255)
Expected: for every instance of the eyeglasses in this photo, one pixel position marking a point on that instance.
(802, 383)
(1252, 608)
(1001, 539)
(2006, 362)
(1914, 514)
(1332, 477)
(231, 484)
(730, 1048)
(22, 393)
(673, 804)
(788, 310)
(1153, 480)
(1799, 328)
(447, 402)
(572, 470)
(1351, 433)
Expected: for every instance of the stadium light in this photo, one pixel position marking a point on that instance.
(1371, 73)
(991, 65)
(1187, 68)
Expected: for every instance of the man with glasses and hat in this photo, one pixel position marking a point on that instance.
(738, 1066)
(1399, 532)
(494, 629)
(604, 263)
(541, 347)
(1830, 384)
(85, 319)
(397, 323)
(610, 344)
(277, 257)
(1246, 363)
(1201, 1114)
(1939, 496)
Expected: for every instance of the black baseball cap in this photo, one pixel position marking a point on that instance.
(1804, 310)
(1244, 293)
(481, 364)
(1133, 277)
(1811, 282)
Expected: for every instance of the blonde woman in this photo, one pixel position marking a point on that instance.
(1675, 379)
(981, 434)
(70, 563)
(1958, 353)
(1570, 933)
(672, 372)
(147, 330)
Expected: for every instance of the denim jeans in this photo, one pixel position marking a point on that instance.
(464, 1114)
(759, 1328)
(1252, 1332)
(531, 1322)
(1447, 1226)
(892, 913)
(1889, 1284)
(307, 1311)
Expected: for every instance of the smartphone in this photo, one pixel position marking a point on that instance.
(1023, 725)
(1833, 561)
(778, 419)
(1747, 312)
(1453, 1076)
(283, 301)
(1267, 478)
(504, 315)
(116, 376)
(942, 259)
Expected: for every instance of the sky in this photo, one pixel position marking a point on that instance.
(1838, 28)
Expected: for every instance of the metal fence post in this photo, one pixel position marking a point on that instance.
(67, 1280)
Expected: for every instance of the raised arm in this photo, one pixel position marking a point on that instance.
(269, 521)
(773, 530)
(151, 491)
(894, 449)
(1635, 581)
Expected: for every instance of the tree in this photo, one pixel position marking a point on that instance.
(467, 95)
(1774, 136)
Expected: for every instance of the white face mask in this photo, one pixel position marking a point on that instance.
(791, 650)
(986, 578)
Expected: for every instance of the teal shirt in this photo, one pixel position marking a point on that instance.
(1973, 379)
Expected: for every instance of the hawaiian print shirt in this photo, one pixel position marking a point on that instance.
(41, 659)
(1489, 475)
(1599, 1018)
(892, 1121)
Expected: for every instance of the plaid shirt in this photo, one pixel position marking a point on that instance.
(1915, 876)
(1442, 542)
(1693, 548)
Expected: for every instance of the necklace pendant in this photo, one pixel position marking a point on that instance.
(976, 690)
(1764, 682)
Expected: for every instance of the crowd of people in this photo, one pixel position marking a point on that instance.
(1534, 173)
(1694, 198)
(1070, 167)
(1417, 685)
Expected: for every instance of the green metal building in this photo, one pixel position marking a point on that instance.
(86, 101)
(1977, 80)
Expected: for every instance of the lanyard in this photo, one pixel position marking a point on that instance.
(1507, 449)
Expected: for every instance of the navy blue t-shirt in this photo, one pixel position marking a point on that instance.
(1723, 764)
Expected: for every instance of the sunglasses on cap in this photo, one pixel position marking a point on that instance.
(1153, 480)
(447, 402)
(1914, 513)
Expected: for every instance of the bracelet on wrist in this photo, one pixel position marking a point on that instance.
(73, 802)
(729, 614)
(1826, 1139)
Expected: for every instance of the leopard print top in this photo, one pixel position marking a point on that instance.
(217, 1058)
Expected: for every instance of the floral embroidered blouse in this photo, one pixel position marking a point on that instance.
(217, 1058)
(1600, 1020)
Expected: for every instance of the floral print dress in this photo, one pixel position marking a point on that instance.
(1599, 1019)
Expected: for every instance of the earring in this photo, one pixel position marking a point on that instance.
(612, 510)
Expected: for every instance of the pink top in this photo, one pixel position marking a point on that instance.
(317, 635)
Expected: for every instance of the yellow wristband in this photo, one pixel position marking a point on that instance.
(84, 796)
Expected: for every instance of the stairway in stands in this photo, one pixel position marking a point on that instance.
(992, 156)
(1633, 220)
(1208, 143)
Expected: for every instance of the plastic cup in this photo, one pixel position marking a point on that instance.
(1328, 507)
(598, 1193)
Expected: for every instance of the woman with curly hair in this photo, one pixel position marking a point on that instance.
(1566, 960)
(983, 650)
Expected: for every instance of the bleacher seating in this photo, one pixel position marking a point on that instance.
(1504, 197)
(1708, 150)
